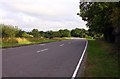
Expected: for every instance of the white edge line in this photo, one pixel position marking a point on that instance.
(79, 63)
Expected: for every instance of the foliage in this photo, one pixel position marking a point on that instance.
(35, 33)
(24, 34)
(8, 42)
(42, 34)
(101, 18)
(49, 34)
(64, 33)
(11, 31)
(75, 32)
(8, 30)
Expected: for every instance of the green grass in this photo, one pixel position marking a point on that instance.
(28, 41)
(100, 61)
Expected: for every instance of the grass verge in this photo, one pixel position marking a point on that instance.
(13, 42)
(101, 60)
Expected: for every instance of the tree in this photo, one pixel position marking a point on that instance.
(24, 34)
(35, 33)
(49, 34)
(1, 31)
(56, 34)
(9, 31)
(42, 33)
(115, 20)
(98, 17)
(64, 33)
(75, 32)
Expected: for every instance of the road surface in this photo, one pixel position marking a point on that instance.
(56, 59)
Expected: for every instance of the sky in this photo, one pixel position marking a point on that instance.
(41, 14)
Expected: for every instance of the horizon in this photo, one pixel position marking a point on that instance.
(42, 30)
(42, 15)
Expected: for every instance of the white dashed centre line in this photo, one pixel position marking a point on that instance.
(42, 44)
(62, 45)
(42, 50)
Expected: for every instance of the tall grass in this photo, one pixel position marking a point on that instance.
(8, 42)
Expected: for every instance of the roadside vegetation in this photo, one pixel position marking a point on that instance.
(13, 36)
(102, 60)
(11, 42)
(102, 18)
(103, 55)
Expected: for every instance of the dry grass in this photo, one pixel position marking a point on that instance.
(14, 40)
(22, 41)
(9, 42)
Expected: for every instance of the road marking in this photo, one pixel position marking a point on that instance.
(62, 45)
(42, 50)
(79, 63)
(42, 44)
(38, 51)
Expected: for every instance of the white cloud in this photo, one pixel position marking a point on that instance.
(41, 14)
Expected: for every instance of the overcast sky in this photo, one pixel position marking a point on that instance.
(41, 14)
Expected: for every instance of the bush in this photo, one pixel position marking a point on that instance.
(24, 34)
(8, 30)
(9, 40)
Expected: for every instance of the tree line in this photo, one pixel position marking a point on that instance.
(14, 31)
(102, 18)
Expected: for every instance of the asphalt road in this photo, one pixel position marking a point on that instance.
(57, 59)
